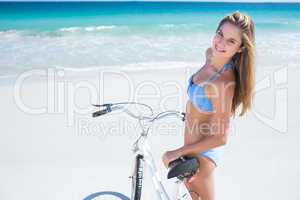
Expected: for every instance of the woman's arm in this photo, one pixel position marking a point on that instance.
(219, 134)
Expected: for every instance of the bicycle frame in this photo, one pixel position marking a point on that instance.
(143, 153)
(143, 149)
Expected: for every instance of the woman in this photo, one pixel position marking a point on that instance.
(224, 83)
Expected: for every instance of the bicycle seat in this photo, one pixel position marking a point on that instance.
(183, 167)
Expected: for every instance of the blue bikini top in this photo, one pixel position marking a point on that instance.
(196, 92)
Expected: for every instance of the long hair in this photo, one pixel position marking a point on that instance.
(244, 62)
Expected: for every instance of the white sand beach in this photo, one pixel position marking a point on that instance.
(51, 147)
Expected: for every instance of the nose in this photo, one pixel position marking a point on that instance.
(221, 43)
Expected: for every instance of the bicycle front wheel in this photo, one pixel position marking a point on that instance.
(111, 195)
(137, 178)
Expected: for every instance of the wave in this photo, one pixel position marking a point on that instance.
(152, 29)
(80, 49)
(142, 66)
(88, 28)
(189, 25)
(72, 71)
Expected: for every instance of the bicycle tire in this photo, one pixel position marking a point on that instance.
(137, 178)
(97, 195)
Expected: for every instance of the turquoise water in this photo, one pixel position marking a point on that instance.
(107, 34)
(54, 15)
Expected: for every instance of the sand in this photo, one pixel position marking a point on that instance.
(51, 147)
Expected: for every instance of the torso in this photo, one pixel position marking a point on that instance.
(197, 123)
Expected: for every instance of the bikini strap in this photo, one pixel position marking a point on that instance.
(218, 73)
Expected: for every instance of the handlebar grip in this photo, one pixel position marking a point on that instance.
(184, 116)
(101, 112)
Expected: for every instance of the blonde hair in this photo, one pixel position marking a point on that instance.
(244, 62)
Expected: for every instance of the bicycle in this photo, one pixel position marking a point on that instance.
(181, 168)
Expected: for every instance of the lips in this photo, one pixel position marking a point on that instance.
(219, 50)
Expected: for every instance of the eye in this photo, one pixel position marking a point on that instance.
(232, 42)
(220, 33)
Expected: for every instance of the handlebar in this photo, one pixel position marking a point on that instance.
(144, 120)
(107, 108)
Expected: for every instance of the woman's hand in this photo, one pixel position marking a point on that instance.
(191, 179)
(169, 156)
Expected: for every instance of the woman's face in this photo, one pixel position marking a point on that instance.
(227, 41)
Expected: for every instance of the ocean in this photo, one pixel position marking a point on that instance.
(134, 35)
